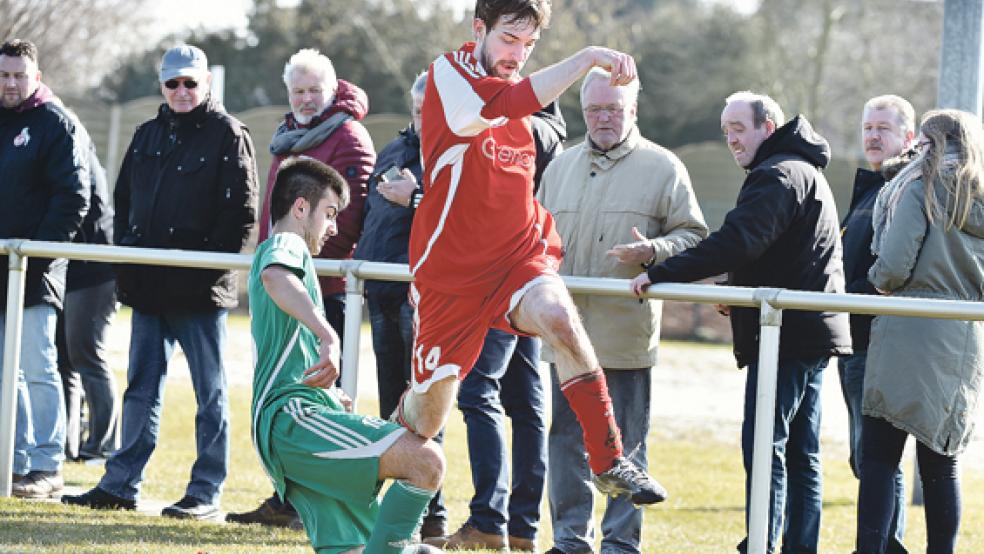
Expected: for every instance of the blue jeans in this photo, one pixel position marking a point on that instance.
(391, 320)
(851, 372)
(505, 382)
(570, 492)
(39, 437)
(795, 494)
(201, 335)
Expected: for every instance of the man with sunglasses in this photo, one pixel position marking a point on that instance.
(188, 181)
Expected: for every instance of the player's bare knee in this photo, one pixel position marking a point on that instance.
(559, 326)
(431, 466)
(424, 465)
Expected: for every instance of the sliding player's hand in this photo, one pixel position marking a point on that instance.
(324, 373)
(345, 400)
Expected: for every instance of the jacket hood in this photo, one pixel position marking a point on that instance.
(550, 114)
(796, 137)
(41, 96)
(975, 219)
(349, 99)
(892, 166)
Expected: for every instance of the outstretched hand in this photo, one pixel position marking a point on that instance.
(638, 252)
(324, 373)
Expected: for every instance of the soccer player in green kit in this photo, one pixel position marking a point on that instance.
(327, 461)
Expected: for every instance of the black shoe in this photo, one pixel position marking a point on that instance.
(624, 477)
(270, 512)
(99, 499)
(434, 528)
(190, 507)
(39, 484)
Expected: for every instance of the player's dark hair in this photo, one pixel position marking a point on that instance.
(307, 178)
(18, 48)
(535, 12)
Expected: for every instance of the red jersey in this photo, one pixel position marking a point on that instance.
(478, 217)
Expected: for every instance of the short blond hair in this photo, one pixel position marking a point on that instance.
(903, 110)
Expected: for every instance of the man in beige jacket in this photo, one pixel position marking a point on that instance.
(620, 202)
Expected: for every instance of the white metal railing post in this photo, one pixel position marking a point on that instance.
(17, 265)
(353, 328)
(770, 320)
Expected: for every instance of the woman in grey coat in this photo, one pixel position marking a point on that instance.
(924, 375)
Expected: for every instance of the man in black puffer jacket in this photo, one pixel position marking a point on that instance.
(887, 130)
(44, 184)
(782, 233)
(188, 181)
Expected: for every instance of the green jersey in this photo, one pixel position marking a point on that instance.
(283, 346)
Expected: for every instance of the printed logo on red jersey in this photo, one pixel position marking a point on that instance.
(506, 155)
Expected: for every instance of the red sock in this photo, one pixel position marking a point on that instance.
(588, 397)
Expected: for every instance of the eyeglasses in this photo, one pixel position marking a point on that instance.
(595, 111)
(173, 84)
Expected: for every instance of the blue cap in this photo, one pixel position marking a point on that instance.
(184, 60)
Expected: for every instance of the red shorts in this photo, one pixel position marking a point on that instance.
(449, 330)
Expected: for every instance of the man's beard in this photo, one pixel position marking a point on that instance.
(305, 119)
(489, 64)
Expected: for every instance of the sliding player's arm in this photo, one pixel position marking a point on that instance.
(287, 292)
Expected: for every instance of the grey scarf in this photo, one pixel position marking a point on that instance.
(293, 141)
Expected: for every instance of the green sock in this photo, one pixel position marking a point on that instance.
(399, 515)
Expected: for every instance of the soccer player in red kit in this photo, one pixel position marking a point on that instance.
(483, 252)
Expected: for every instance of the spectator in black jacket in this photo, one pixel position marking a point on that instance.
(188, 181)
(782, 233)
(887, 130)
(44, 183)
(83, 325)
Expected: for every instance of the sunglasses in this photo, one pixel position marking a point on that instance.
(173, 84)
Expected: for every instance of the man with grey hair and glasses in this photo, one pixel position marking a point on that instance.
(650, 213)
(887, 131)
(782, 233)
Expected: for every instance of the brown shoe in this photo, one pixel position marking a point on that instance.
(519, 544)
(470, 538)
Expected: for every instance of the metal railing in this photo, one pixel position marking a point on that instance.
(770, 301)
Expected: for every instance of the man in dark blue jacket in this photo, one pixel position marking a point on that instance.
(887, 130)
(45, 191)
(782, 233)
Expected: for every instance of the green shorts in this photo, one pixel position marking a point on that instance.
(330, 463)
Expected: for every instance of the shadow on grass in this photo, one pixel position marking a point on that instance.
(65, 525)
(840, 503)
(709, 509)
